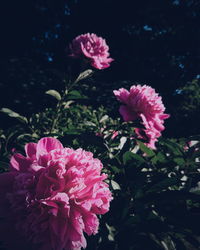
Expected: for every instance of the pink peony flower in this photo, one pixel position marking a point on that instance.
(52, 196)
(142, 102)
(93, 48)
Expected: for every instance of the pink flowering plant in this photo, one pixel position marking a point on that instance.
(143, 103)
(54, 194)
(93, 48)
(95, 169)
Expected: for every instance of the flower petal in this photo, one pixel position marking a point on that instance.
(127, 114)
(30, 149)
(20, 163)
(47, 144)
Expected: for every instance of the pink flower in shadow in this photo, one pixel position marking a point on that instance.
(93, 48)
(52, 196)
(143, 103)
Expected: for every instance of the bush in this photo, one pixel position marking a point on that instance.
(155, 191)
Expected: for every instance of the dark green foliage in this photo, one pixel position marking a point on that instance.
(156, 193)
(154, 43)
(188, 108)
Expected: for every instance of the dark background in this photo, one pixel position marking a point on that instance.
(153, 42)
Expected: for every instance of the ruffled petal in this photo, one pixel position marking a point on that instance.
(122, 95)
(47, 144)
(127, 114)
(20, 163)
(30, 149)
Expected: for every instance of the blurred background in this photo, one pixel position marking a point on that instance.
(153, 42)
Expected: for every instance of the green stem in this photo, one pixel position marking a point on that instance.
(59, 104)
(57, 111)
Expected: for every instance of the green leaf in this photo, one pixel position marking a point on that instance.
(115, 169)
(180, 161)
(24, 135)
(149, 152)
(129, 156)
(104, 118)
(174, 147)
(90, 124)
(72, 131)
(115, 185)
(67, 104)
(164, 184)
(4, 165)
(54, 93)
(123, 140)
(84, 75)
(159, 158)
(13, 114)
(74, 94)
(111, 231)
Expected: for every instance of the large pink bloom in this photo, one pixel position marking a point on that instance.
(142, 102)
(93, 48)
(51, 196)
